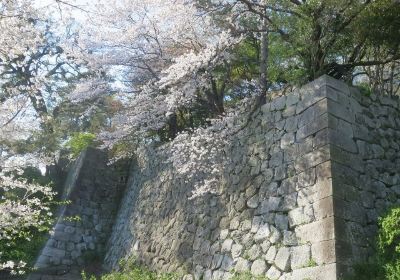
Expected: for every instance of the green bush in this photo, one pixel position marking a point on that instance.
(389, 244)
(386, 263)
(79, 142)
(22, 249)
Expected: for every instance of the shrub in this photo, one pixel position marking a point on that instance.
(79, 142)
(389, 244)
(386, 263)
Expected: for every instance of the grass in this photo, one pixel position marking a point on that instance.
(132, 271)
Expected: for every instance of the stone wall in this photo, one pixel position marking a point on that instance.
(94, 190)
(303, 185)
(364, 133)
(299, 198)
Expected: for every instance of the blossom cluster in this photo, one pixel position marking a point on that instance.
(23, 207)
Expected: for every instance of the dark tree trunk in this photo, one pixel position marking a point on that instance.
(264, 62)
(172, 126)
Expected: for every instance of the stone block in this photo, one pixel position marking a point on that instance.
(254, 252)
(312, 159)
(301, 256)
(236, 250)
(227, 263)
(317, 231)
(62, 236)
(323, 208)
(292, 99)
(324, 272)
(289, 202)
(273, 273)
(300, 215)
(258, 267)
(306, 178)
(216, 261)
(275, 235)
(282, 259)
(242, 265)
(271, 253)
(338, 110)
(312, 127)
(289, 238)
(53, 252)
(252, 202)
(281, 221)
(343, 141)
(262, 233)
(324, 252)
(255, 224)
(226, 245)
(278, 103)
(335, 84)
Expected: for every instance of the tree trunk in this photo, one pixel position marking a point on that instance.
(264, 61)
(172, 126)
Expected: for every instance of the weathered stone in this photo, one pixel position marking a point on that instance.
(258, 267)
(281, 221)
(289, 238)
(273, 273)
(301, 256)
(216, 261)
(53, 252)
(282, 259)
(253, 202)
(265, 246)
(224, 234)
(227, 263)
(271, 253)
(234, 224)
(324, 252)
(226, 245)
(275, 235)
(236, 250)
(262, 233)
(242, 265)
(254, 252)
(301, 215)
(255, 225)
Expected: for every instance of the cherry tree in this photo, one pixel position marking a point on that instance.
(164, 54)
(32, 66)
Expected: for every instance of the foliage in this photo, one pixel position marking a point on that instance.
(132, 271)
(24, 249)
(389, 243)
(79, 142)
(386, 263)
(25, 214)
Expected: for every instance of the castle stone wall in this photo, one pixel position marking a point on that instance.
(299, 199)
(302, 189)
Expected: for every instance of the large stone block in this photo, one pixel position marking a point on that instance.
(323, 272)
(317, 231)
(324, 252)
(301, 256)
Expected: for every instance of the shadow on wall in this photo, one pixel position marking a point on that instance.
(94, 189)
